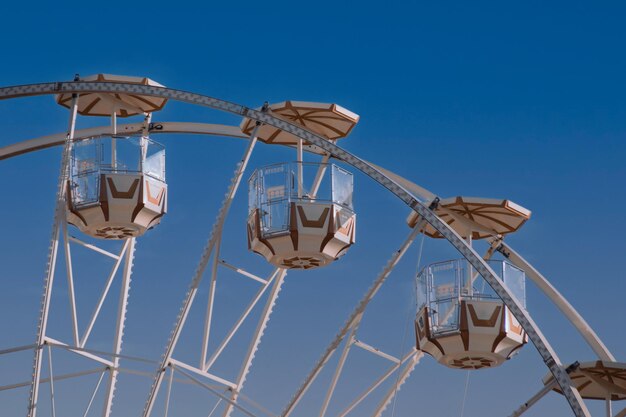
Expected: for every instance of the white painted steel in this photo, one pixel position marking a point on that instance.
(214, 238)
(78, 351)
(104, 294)
(54, 409)
(59, 218)
(256, 339)
(94, 248)
(243, 272)
(239, 322)
(353, 320)
(93, 395)
(379, 381)
(32, 145)
(534, 399)
(182, 365)
(46, 380)
(119, 326)
(211, 300)
(319, 175)
(555, 296)
(218, 394)
(393, 390)
(169, 392)
(338, 370)
(376, 351)
(70, 284)
(543, 347)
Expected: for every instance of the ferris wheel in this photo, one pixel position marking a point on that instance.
(112, 190)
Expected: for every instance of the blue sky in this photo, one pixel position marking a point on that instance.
(501, 100)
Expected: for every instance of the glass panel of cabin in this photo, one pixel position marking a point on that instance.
(515, 280)
(154, 163)
(85, 172)
(128, 155)
(444, 296)
(342, 186)
(253, 191)
(276, 180)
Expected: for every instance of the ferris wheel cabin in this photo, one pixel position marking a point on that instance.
(461, 321)
(116, 185)
(301, 214)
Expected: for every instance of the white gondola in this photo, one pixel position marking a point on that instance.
(297, 227)
(461, 322)
(301, 214)
(120, 198)
(116, 187)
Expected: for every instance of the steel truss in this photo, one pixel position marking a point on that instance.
(411, 196)
(78, 343)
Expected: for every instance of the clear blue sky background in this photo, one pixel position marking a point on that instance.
(519, 100)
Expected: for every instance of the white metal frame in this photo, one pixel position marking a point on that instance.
(414, 197)
(77, 345)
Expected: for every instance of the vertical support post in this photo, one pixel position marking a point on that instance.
(70, 284)
(319, 176)
(169, 392)
(300, 169)
(209, 308)
(59, 217)
(54, 409)
(609, 411)
(119, 327)
(197, 278)
(470, 271)
(256, 339)
(145, 132)
(113, 140)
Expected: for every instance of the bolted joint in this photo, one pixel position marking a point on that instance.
(264, 109)
(434, 204)
(500, 248)
(572, 367)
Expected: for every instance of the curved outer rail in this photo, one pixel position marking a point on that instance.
(57, 139)
(555, 296)
(548, 354)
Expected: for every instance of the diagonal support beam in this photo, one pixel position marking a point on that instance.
(355, 318)
(379, 381)
(70, 284)
(393, 391)
(181, 365)
(256, 339)
(119, 327)
(105, 292)
(218, 394)
(243, 272)
(59, 219)
(93, 247)
(197, 278)
(376, 351)
(239, 322)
